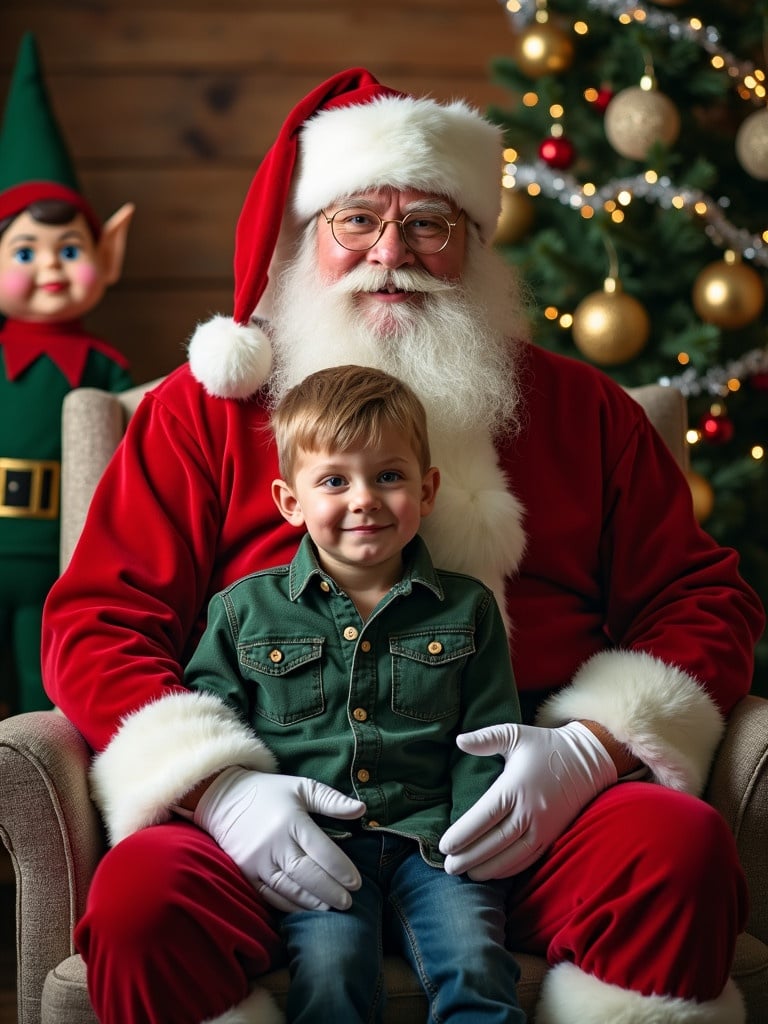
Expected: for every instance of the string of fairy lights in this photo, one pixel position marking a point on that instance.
(750, 79)
(541, 177)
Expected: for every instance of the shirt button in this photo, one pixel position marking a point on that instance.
(363, 775)
(276, 656)
(435, 647)
(365, 646)
(325, 586)
(360, 714)
(350, 633)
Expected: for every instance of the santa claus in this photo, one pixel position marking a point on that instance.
(622, 614)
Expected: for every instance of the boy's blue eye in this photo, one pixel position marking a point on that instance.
(390, 476)
(334, 481)
(24, 255)
(70, 252)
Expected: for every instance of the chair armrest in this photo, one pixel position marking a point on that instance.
(54, 837)
(738, 788)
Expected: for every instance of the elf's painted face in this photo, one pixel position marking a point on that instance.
(49, 272)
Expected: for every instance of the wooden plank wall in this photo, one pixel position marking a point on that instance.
(171, 104)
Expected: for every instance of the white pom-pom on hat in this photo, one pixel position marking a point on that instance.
(230, 360)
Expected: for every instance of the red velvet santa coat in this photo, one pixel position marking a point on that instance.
(622, 610)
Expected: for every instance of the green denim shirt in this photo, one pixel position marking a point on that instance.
(371, 708)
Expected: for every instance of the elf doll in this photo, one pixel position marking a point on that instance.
(56, 261)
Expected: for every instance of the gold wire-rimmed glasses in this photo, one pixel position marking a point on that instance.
(357, 229)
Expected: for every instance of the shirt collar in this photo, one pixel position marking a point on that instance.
(417, 568)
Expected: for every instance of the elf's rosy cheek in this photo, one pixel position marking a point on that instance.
(15, 284)
(86, 275)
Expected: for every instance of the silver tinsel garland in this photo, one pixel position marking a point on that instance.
(714, 381)
(570, 192)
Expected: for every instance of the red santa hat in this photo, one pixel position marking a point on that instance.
(348, 135)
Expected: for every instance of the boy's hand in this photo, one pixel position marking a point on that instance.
(549, 776)
(262, 821)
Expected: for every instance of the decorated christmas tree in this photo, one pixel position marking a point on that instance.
(635, 202)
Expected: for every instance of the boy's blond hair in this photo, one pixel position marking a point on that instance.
(343, 408)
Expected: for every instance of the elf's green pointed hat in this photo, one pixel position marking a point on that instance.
(34, 159)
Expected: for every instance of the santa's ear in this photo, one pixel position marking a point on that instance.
(287, 502)
(111, 245)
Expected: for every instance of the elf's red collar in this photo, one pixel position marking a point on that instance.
(66, 344)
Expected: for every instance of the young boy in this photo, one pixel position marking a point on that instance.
(359, 664)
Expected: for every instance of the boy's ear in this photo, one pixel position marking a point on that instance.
(287, 503)
(112, 242)
(430, 485)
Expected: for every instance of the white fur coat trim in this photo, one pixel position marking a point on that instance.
(257, 1008)
(658, 711)
(476, 526)
(229, 359)
(568, 995)
(162, 751)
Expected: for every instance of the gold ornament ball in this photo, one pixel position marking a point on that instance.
(543, 49)
(703, 495)
(636, 119)
(610, 327)
(752, 145)
(728, 294)
(516, 217)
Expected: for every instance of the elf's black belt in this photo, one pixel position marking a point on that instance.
(29, 488)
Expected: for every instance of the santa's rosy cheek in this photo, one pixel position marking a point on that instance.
(15, 284)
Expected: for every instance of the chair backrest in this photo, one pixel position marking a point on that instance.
(92, 424)
(94, 421)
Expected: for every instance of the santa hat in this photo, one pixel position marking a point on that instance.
(34, 160)
(348, 135)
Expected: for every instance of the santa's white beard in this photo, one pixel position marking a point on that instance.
(455, 345)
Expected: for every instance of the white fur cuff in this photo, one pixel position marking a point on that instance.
(568, 994)
(656, 710)
(256, 1008)
(162, 751)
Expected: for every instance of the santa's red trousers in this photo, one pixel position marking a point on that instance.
(644, 891)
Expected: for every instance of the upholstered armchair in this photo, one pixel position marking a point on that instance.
(53, 833)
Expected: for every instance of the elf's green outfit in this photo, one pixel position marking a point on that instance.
(39, 363)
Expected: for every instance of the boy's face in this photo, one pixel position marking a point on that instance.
(49, 272)
(362, 507)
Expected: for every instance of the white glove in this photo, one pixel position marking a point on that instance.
(262, 821)
(549, 776)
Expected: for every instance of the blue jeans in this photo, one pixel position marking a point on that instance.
(450, 930)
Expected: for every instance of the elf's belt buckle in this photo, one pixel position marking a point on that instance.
(29, 488)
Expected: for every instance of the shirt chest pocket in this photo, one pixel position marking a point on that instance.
(427, 670)
(287, 677)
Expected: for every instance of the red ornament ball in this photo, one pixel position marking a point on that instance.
(558, 153)
(716, 429)
(602, 99)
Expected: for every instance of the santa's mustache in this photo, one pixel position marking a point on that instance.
(366, 278)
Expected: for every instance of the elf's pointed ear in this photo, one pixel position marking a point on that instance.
(287, 503)
(112, 242)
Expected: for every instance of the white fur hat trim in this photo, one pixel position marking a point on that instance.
(405, 143)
